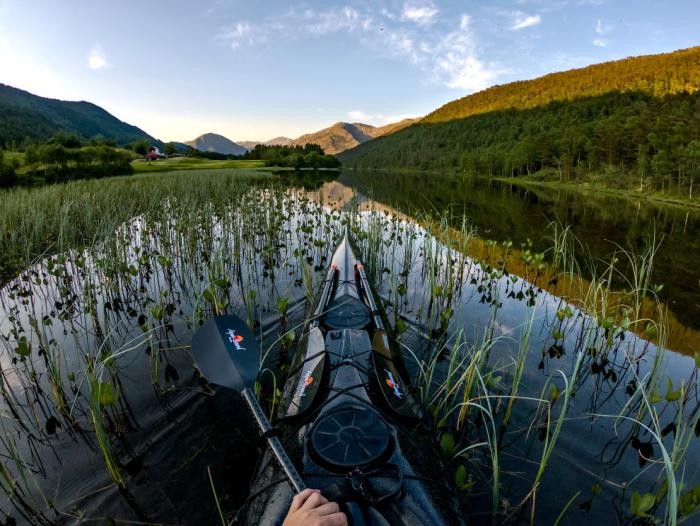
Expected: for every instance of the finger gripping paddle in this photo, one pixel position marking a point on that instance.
(226, 353)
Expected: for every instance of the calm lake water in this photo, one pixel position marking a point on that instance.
(173, 437)
(504, 211)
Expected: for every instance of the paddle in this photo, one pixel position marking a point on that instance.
(226, 354)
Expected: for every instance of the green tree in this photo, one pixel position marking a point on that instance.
(642, 166)
(67, 140)
(7, 172)
(662, 166)
(31, 155)
(692, 154)
(140, 147)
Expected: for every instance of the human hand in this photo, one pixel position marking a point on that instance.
(310, 508)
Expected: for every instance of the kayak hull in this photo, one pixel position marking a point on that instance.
(347, 418)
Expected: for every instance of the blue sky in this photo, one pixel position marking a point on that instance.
(259, 69)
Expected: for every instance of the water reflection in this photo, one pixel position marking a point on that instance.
(508, 212)
(96, 367)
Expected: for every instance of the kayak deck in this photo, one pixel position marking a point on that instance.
(346, 416)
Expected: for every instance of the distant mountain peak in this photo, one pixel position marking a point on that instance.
(214, 142)
(277, 141)
(342, 136)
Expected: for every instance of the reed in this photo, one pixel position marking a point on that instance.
(216, 498)
(114, 270)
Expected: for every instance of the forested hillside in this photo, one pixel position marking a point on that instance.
(643, 139)
(658, 75)
(28, 117)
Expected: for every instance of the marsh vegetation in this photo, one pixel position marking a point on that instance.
(104, 418)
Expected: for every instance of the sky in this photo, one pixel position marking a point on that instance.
(254, 70)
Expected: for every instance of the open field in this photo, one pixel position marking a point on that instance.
(192, 163)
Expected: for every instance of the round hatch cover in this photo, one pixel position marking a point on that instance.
(350, 437)
(347, 312)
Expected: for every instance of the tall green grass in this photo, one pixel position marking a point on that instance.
(126, 264)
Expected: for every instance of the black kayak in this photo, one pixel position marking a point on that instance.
(347, 419)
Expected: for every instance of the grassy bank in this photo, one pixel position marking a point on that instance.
(51, 219)
(599, 185)
(193, 163)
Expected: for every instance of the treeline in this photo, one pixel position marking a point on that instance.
(657, 75)
(627, 139)
(141, 147)
(307, 156)
(216, 156)
(65, 157)
(8, 176)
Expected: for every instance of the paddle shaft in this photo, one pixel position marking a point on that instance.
(274, 442)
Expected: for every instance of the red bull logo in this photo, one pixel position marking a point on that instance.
(306, 381)
(235, 339)
(393, 384)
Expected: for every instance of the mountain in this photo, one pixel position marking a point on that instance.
(24, 115)
(656, 75)
(342, 136)
(249, 145)
(277, 141)
(388, 129)
(179, 146)
(213, 142)
(634, 122)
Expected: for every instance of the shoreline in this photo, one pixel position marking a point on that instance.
(586, 188)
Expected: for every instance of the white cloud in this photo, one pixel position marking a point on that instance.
(97, 58)
(600, 42)
(400, 43)
(242, 33)
(522, 21)
(450, 59)
(388, 14)
(602, 28)
(466, 73)
(332, 21)
(421, 15)
(358, 115)
(457, 65)
(296, 24)
(215, 7)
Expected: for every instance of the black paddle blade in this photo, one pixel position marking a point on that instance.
(226, 352)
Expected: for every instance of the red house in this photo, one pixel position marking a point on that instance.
(154, 154)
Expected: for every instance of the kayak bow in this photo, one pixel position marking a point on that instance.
(346, 418)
